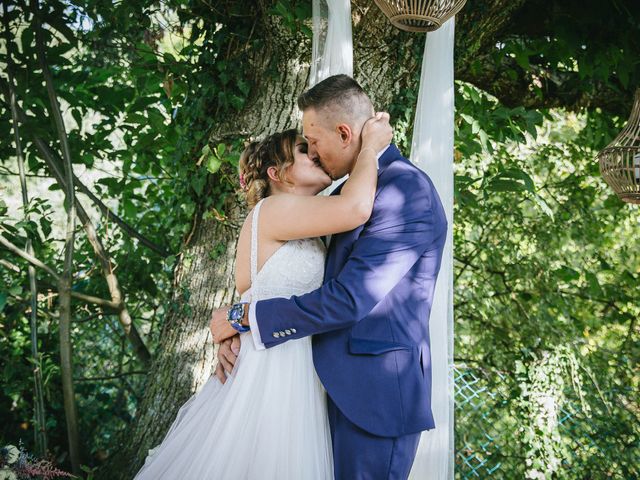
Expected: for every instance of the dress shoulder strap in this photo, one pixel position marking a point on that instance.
(254, 241)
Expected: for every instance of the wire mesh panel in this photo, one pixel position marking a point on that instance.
(596, 436)
(484, 425)
(603, 442)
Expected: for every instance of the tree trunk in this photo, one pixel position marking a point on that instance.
(39, 423)
(387, 63)
(66, 279)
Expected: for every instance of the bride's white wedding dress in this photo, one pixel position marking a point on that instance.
(269, 420)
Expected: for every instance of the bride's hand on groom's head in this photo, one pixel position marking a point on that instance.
(377, 132)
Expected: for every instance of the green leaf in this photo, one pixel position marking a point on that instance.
(306, 30)
(467, 118)
(77, 116)
(543, 206)
(197, 183)
(61, 26)
(567, 274)
(500, 185)
(129, 208)
(594, 286)
(213, 164)
(522, 59)
(45, 225)
(243, 87)
(512, 180)
(15, 290)
(220, 149)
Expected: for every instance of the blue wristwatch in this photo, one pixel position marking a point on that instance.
(235, 315)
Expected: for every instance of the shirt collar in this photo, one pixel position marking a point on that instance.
(380, 153)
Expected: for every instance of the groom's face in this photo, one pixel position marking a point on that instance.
(326, 144)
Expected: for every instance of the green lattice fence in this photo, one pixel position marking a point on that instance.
(594, 437)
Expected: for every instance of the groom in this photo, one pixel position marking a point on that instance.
(370, 319)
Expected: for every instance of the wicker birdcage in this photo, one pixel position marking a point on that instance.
(620, 160)
(419, 15)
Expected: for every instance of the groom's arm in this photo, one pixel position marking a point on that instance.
(407, 221)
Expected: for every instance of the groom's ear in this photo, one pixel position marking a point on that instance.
(345, 132)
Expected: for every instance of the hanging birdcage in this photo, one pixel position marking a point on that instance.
(620, 160)
(419, 15)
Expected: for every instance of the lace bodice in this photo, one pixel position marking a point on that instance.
(297, 267)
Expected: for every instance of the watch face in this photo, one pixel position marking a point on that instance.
(235, 313)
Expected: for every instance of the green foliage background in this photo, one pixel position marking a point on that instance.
(547, 264)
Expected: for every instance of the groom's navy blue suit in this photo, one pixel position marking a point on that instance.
(370, 324)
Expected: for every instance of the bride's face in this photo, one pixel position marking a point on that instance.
(307, 176)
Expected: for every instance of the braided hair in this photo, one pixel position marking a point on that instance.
(276, 150)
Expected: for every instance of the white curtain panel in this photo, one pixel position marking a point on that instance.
(432, 151)
(332, 47)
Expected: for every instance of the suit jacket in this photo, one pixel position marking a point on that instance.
(370, 319)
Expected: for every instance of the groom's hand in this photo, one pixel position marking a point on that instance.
(227, 354)
(219, 325)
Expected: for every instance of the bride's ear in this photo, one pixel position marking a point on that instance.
(272, 173)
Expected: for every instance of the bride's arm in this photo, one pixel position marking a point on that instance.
(313, 216)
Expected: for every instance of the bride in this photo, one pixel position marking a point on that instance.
(269, 419)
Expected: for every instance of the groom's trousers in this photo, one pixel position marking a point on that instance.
(360, 455)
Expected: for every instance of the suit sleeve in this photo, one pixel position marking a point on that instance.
(407, 221)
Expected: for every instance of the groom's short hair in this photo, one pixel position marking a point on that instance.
(337, 91)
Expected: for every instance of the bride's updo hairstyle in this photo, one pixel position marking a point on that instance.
(276, 150)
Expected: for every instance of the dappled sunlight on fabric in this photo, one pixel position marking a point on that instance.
(432, 150)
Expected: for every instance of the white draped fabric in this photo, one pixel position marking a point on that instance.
(432, 151)
(332, 47)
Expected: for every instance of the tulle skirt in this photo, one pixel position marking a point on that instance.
(267, 421)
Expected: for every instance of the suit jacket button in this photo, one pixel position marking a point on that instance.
(281, 333)
(293, 330)
(276, 334)
(287, 331)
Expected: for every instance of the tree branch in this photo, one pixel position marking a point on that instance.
(124, 226)
(28, 257)
(9, 265)
(34, 261)
(109, 377)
